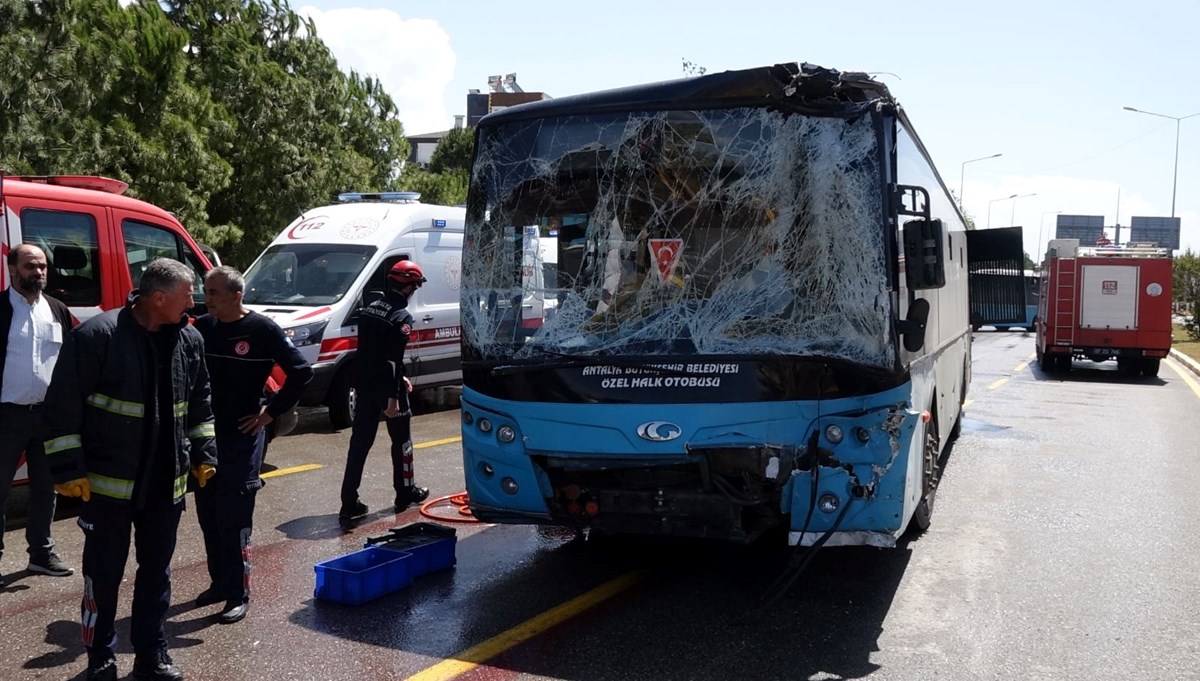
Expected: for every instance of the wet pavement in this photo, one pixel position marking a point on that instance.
(1061, 548)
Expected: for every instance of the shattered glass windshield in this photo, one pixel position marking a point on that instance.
(726, 232)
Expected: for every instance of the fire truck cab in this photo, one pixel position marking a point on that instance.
(97, 241)
(1104, 302)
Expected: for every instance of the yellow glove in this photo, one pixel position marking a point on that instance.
(203, 472)
(79, 487)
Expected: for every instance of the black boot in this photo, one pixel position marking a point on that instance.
(158, 667)
(410, 496)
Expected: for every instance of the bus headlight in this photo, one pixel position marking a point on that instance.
(506, 434)
(828, 503)
(834, 434)
(485, 426)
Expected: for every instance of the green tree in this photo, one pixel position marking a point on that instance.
(94, 88)
(1186, 287)
(454, 152)
(304, 130)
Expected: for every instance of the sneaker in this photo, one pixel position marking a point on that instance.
(353, 512)
(49, 564)
(210, 596)
(160, 667)
(235, 611)
(410, 496)
(102, 670)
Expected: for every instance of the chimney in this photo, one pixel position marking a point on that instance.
(458, 121)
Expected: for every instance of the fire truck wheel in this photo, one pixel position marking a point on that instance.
(1047, 362)
(1064, 363)
(1150, 366)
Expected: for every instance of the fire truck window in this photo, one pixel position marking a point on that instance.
(72, 251)
(145, 242)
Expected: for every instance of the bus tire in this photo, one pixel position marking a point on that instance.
(341, 400)
(1150, 366)
(923, 515)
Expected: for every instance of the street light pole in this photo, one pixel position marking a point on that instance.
(1003, 198)
(962, 175)
(1012, 220)
(1175, 172)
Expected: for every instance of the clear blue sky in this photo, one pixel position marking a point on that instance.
(1042, 83)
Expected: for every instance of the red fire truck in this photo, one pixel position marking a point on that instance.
(1105, 302)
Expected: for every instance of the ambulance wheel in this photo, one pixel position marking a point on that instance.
(1150, 366)
(341, 400)
(923, 515)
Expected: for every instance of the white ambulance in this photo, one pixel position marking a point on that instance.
(316, 275)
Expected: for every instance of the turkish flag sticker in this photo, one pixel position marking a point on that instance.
(665, 254)
(405, 329)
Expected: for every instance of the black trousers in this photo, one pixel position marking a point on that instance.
(106, 528)
(362, 436)
(225, 509)
(21, 429)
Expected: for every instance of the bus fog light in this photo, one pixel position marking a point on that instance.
(486, 469)
(485, 426)
(508, 485)
(834, 434)
(862, 435)
(828, 503)
(506, 434)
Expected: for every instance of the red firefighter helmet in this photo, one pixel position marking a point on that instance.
(406, 272)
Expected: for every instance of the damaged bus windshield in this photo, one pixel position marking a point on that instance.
(738, 232)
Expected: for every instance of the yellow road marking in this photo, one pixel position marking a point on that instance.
(998, 383)
(1020, 367)
(968, 403)
(294, 469)
(434, 443)
(476, 655)
(1183, 373)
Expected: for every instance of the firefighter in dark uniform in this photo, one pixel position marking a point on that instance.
(240, 348)
(383, 330)
(127, 416)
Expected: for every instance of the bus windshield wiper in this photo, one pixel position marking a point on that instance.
(565, 360)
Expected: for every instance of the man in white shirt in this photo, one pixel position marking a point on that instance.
(33, 327)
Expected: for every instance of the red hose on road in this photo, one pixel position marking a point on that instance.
(453, 500)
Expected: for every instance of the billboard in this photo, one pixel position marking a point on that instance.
(1087, 228)
(1163, 232)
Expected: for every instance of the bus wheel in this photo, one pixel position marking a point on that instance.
(923, 515)
(341, 400)
(1150, 366)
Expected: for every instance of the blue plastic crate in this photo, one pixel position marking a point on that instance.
(432, 546)
(363, 575)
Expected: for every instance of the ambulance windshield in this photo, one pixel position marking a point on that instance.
(305, 274)
(738, 231)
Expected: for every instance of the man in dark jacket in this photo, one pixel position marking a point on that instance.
(33, 327)
(127, 415)
(380, 384)
(240, 349)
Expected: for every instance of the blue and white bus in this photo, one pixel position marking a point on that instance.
(761, 315)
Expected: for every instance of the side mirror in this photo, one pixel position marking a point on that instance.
(924, 255)
(913, 327)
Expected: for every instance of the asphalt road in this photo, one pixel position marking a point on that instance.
(1062, 548)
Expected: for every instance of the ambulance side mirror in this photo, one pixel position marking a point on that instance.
(924, 255)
